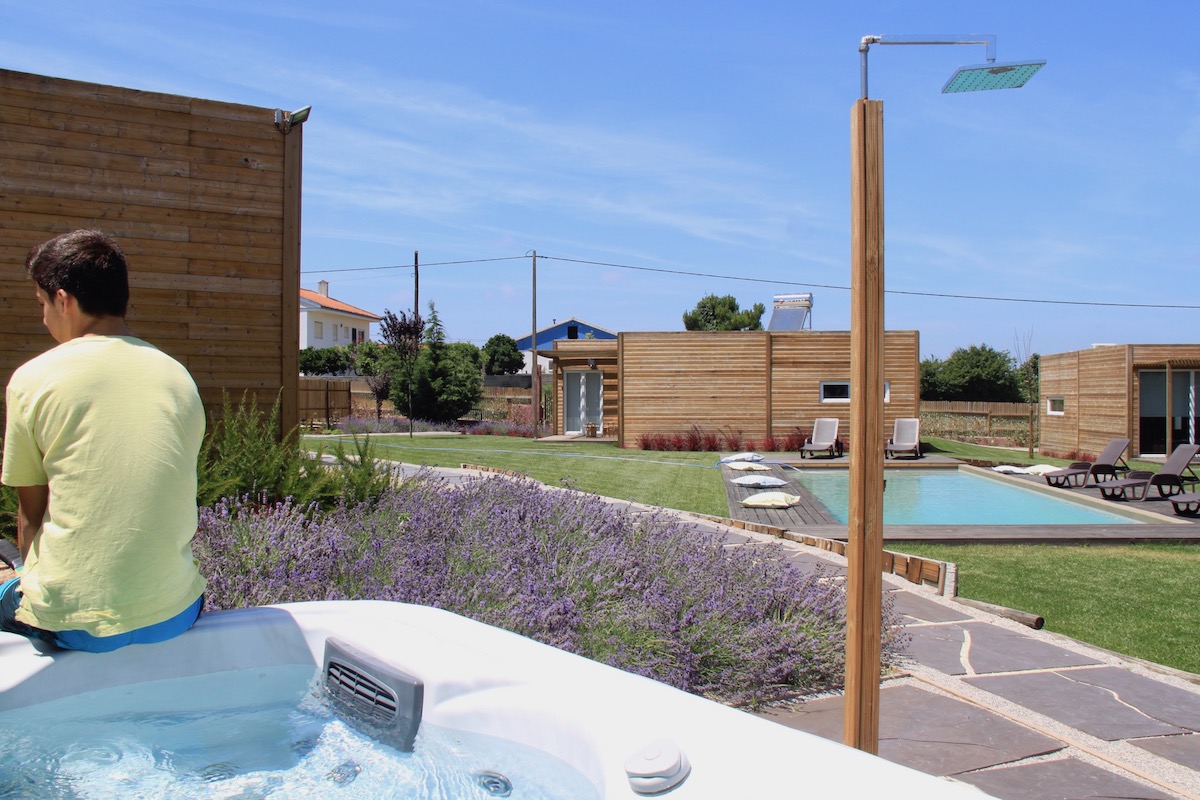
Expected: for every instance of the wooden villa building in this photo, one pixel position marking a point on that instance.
(753, 383)
(1148, 393)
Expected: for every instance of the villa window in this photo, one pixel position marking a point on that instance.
(839, 391)
(1056, 406)
(318, 330)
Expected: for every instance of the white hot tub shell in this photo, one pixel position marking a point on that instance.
(481, 679)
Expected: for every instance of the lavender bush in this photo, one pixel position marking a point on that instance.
(648, 594)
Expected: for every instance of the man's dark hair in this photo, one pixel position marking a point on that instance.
(88, 265)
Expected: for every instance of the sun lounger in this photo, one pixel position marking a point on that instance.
(1187, 504)
(1170, 480)
(906, 438)
(1104, 468)
(824, 438)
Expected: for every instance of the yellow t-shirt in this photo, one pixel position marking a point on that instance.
(113, 425)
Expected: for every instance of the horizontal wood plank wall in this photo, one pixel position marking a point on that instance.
(194, 192)
(804, 359)
(673, 381)
(1058, 376)
(1101, 398)
(753, 382)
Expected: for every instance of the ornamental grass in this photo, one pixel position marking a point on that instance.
(649, 594)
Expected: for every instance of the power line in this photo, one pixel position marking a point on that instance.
(409, 266)
(777, 282)
(889, 291)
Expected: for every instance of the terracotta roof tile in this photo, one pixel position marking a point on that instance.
(336, 305)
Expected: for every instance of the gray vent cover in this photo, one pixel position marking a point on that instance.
(373, 696)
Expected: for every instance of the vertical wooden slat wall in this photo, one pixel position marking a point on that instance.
(203, 196)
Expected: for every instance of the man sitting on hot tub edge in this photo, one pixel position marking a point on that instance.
(101, 442)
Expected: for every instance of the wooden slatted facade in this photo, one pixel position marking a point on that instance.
(751, 382)
(203, 196)
(1099, 394)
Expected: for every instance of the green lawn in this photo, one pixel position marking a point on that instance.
(683, 481)
(1135, 599)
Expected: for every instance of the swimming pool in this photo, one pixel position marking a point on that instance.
(227, 714)
(963, 496)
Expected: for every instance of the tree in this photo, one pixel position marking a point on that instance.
(975, 373)
(714, 313)
(501, 356)
(378, 366)
(325, 360)
(931, 385)
(403, 336)
(447, 380)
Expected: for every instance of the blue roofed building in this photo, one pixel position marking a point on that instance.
(569, 329)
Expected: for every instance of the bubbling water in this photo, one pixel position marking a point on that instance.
(286, 744)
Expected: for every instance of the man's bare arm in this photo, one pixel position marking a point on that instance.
(32, 502)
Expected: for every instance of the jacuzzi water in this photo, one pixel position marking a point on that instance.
(276, 738)
(955, 497)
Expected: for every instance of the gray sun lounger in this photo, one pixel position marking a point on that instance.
(1170, 480)
(906, 438)
(824, 437)
(1104, 468)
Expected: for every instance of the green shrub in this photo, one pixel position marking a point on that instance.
(243, 455)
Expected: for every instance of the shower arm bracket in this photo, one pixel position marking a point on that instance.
(987, 39)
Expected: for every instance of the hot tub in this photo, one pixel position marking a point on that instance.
(603, 732)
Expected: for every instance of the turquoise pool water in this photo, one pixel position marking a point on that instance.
(955, 497)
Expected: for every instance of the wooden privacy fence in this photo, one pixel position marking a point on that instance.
(323, 401)
(204, 198)
(975, 421)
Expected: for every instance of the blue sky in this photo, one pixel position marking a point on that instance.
(629, 142)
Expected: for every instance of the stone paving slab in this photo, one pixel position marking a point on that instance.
(919, 609)
(1183, 749)
(1065, 778)
(983, 648)
(1106, 702)
(927, 731)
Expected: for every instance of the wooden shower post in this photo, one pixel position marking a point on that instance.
(864, 549)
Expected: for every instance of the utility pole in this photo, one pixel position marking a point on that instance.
(416, 284)
(535, 370)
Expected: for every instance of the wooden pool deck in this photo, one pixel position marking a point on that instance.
(811, 517)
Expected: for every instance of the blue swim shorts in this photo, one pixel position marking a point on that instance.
(10, 598)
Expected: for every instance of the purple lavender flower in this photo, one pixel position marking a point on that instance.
(650, 594)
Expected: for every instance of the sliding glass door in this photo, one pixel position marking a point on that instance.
(1152, 410)
(583, 400)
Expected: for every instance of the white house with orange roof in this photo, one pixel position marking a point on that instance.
(325, 322)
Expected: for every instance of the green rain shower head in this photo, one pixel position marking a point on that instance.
(981, 77)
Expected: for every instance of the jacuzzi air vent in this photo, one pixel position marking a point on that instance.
(373, 696)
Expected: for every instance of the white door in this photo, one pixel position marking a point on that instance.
(583, 400)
